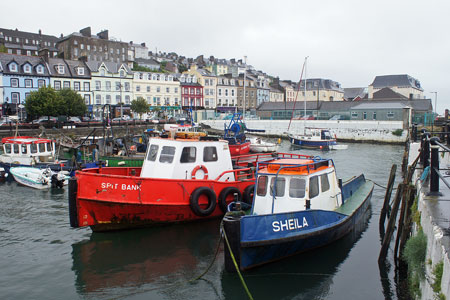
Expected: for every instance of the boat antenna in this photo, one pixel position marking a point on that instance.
(298, 88)
(245, 73)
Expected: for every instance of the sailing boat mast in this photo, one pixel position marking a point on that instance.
(296, 94)
(245, 73)
(304, 100)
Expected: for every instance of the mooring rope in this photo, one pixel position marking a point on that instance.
(212, 262)
(235, 263)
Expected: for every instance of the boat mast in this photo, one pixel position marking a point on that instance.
(296, 94)
(304, 114)
(245, 73)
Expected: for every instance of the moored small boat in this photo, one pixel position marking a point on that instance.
(316, 138)
(257, 145)
(299, 204)
(39, 178)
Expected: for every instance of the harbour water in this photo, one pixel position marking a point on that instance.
(41, 257)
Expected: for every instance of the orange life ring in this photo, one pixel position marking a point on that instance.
(200, 167)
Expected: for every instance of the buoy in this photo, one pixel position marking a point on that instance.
(279, 140)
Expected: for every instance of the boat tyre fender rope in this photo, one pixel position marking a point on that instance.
(195, 196)
(224, 195)
(199, 167)
(248, 194)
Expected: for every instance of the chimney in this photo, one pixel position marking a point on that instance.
(44, 53)
(143, 44)
(40, 32)
(83, 58)
(103, 35)
(131, 42)
(86, 31)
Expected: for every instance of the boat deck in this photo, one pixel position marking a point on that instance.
(352, 203)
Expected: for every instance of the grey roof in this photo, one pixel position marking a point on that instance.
(31, 36)
(319, 83)
(112, 67)
(338, 105)
(269, 106)
(145, 61)
(21, 60)
(387, 93)
(53, 63)
(403, 80)
(73, 67)
(379, 105)
(352, 93)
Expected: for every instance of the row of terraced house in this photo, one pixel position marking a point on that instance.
(101, 71)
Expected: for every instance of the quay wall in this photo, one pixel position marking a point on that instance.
(357, 131)
(434, 221)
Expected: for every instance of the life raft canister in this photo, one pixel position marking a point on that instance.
(199, 167)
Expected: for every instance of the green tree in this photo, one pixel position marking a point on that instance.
(182, 68)
(73, 103)
(139, 106)
(3, 49)
(43, 102)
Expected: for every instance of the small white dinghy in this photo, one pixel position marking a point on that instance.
(259, 146)
(39, 178)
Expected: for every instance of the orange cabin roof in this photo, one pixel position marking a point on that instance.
(295, 166)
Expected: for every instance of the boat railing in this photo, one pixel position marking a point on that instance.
(308, 167)
(254, 159)
(240, 174)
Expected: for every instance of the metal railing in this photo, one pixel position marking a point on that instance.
(430, 147)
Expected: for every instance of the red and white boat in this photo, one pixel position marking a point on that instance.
(180, 180)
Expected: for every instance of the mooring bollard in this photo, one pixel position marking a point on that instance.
(425, 147)
(414, 132)
(434, 178)
(448, 133)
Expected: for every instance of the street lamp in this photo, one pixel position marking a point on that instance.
(435, 103)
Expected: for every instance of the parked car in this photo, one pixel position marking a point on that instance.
(123, 118)
(85, 119)
(6, 121)
(74, 120)
(45, 119)
(307, 117)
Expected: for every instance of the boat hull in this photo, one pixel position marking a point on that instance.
(32, 177)
(119, 200)
(239, 149)
(259, 239)
(313, 144)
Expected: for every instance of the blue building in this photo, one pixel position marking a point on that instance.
(20, 75)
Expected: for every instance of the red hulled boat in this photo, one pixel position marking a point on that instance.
(180, 180)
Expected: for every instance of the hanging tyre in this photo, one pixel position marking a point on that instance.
(194, 201)
(248, 194)
(228, 192)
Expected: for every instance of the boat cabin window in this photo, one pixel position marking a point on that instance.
(209, 154)
(261, 189)
(278, 189)
(16, 148)
(297, 187)
(33, 148)
(152, 152)
(324, 183)
(49, 147)
(23, 149)
(313, 187)
(167, 154)
(7, 148)
(326, 135)
(188, 155)
(41, 147)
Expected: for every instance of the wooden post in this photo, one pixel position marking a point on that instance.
(406, 195)
(408, 219)
(391, 223)
(387, 198)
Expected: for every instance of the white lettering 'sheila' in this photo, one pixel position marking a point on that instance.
(123, 187)
(289, 224)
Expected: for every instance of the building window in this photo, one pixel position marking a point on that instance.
(390, 114)
(87, 99)
(67, 84)
(118, 86)
(138, 88)
(60, 69)
(374, 115)
(127, 86)
(108, 86)
(167, 90)
(364, 115)
(40, 69)
(15, 98)
(148, 88)
(108, 99)
(354, 115)
(76, 85)
(28, 83)
(122, 73)
(13, 67)
(57, 85)
(175, 90)
(158, 89)
(41, 83)
(98, 85)
(27, 69)
(127, 99)
(14, 82)
(80, 71)
(98, 99)
(87, 86)
(118, 99)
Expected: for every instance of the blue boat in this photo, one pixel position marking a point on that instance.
(299, 205)
(315, 138)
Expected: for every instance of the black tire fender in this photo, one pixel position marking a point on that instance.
(248, 194)
(224, 195)
(212, 201)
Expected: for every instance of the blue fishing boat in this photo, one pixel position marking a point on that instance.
(299, 205)
(315, 138)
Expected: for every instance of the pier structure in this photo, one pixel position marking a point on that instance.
(432, 181)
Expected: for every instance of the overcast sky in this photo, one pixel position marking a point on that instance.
(347, 41)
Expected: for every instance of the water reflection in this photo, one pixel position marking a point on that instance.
(108, 261)
(305, 276)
